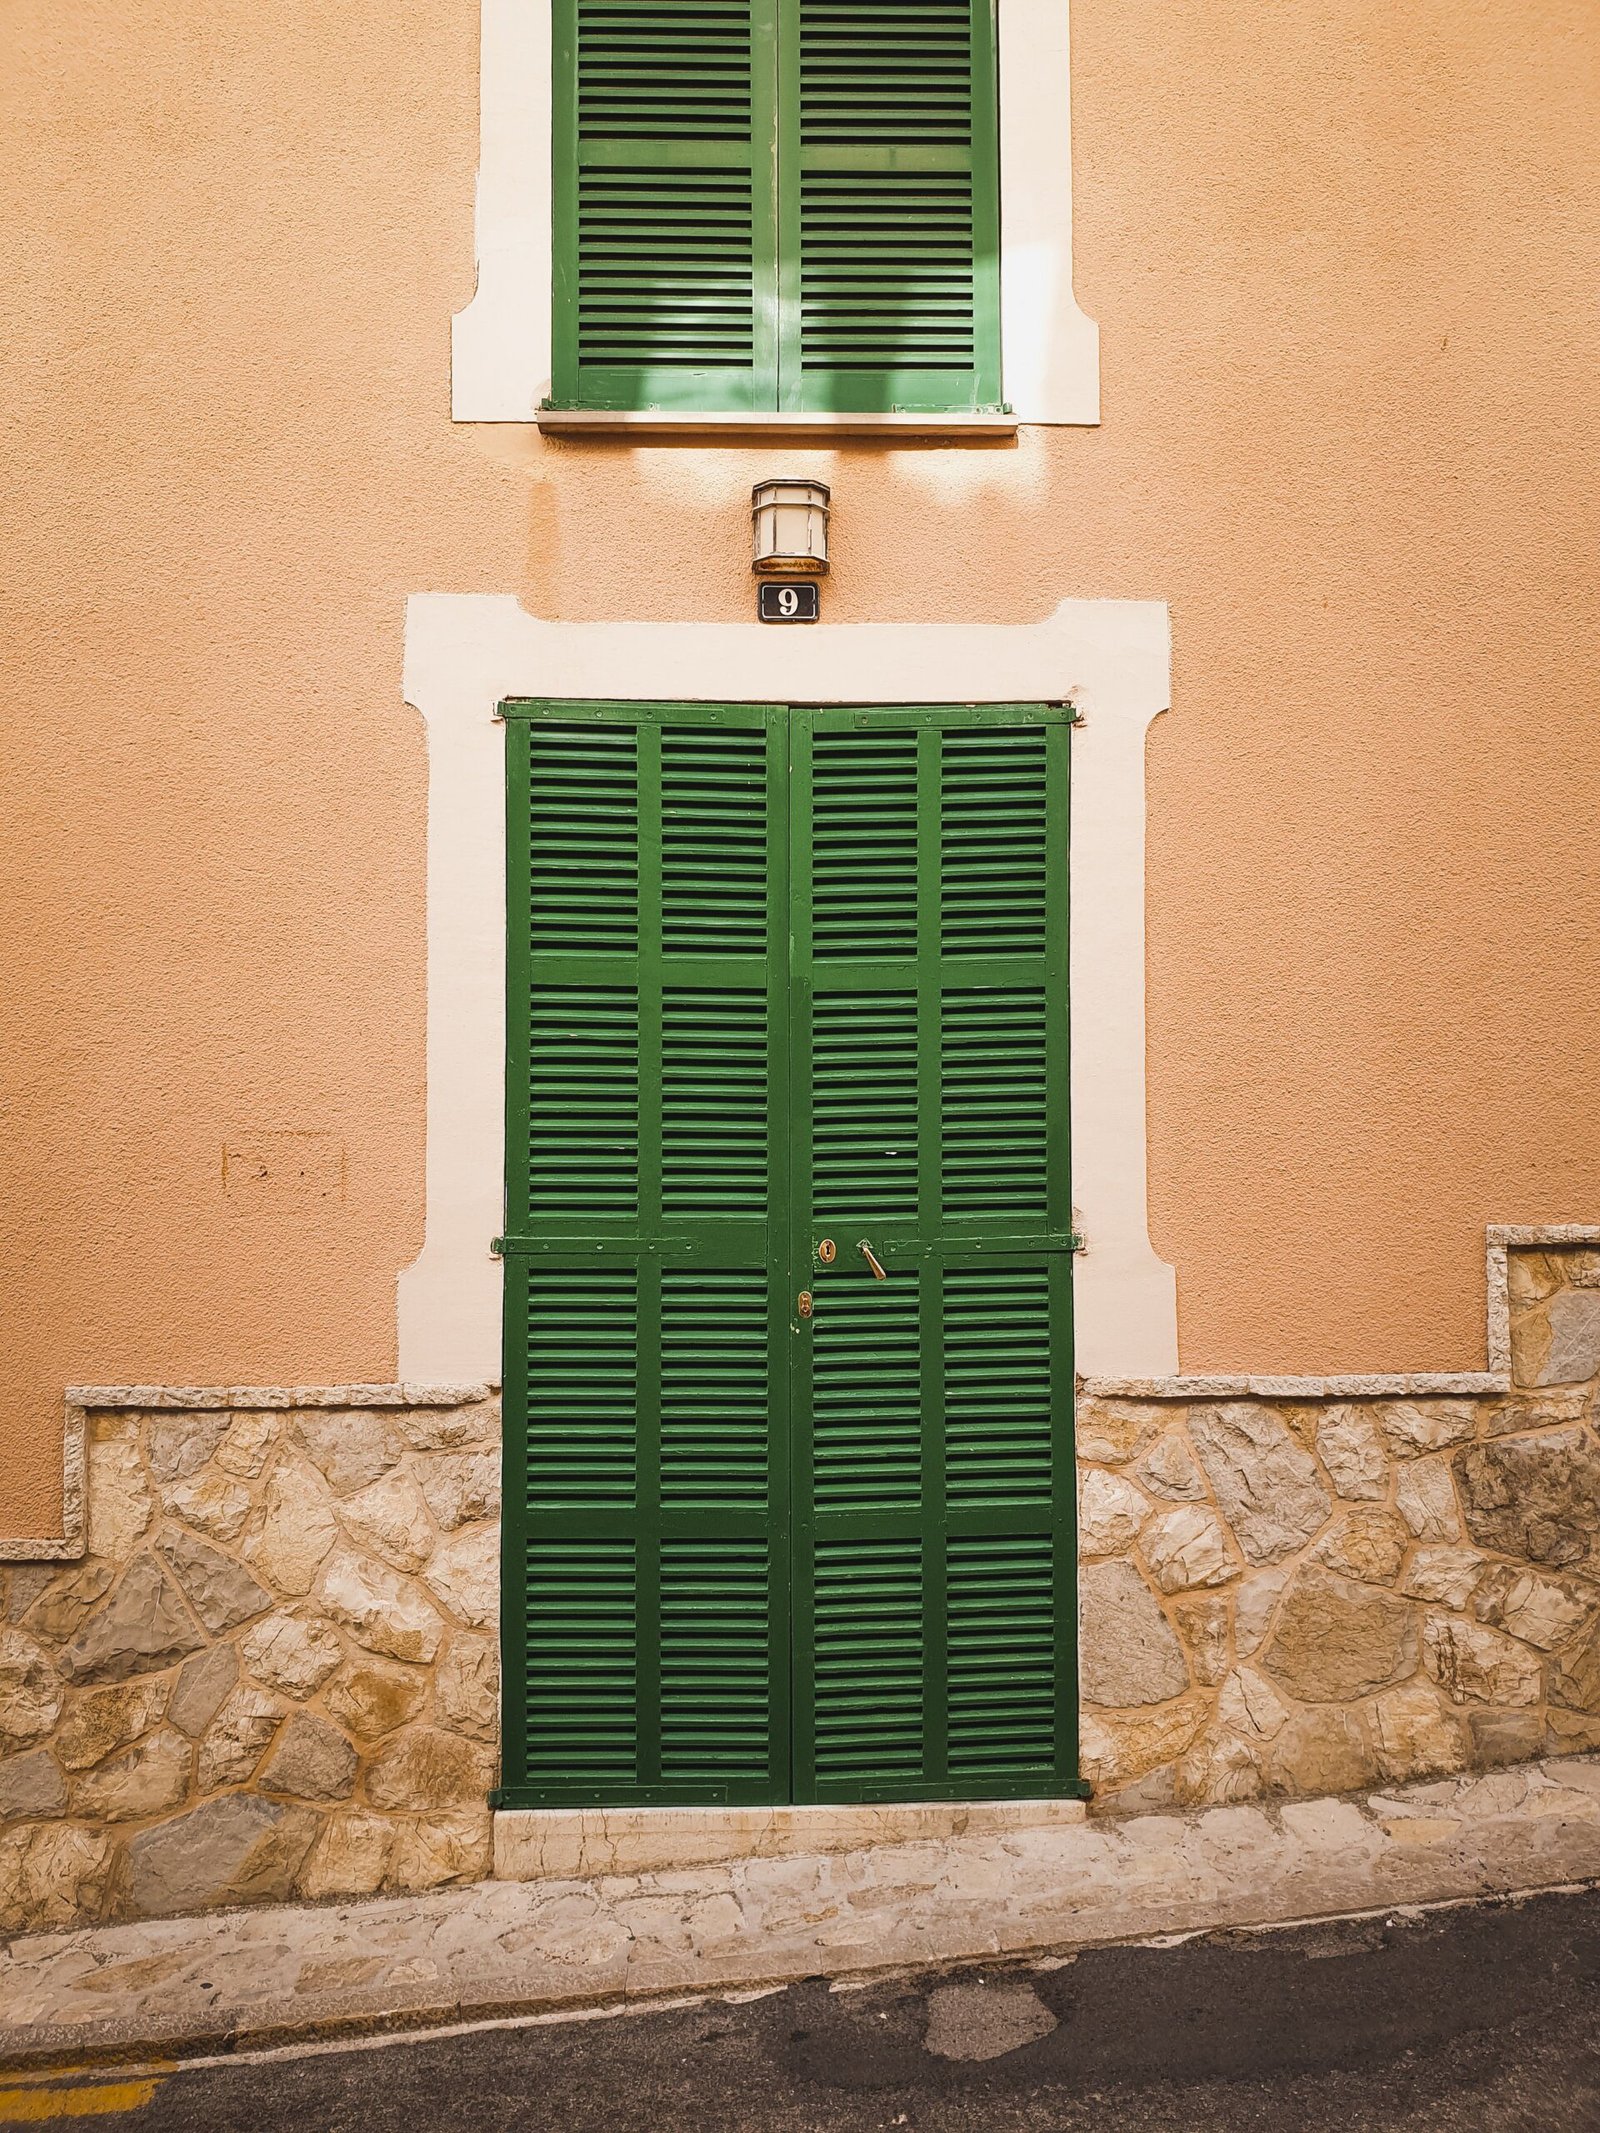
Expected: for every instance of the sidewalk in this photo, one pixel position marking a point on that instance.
(236, 1978)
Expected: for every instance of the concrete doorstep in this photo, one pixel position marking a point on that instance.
(249, 1978)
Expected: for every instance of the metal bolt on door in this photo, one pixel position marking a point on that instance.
(789, 1481)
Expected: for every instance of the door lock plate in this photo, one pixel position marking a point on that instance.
(803, 1303)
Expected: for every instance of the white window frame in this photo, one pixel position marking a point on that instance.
(1050, 352)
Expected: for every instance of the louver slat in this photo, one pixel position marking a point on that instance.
(896, 205)
(661, 220)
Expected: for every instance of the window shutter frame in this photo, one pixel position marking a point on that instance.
(787, 332)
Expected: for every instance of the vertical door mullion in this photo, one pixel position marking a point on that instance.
(927, 1266)
(802, 1523)
(514, 1419)
(780, 1256)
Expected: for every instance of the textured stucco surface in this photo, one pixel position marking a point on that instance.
(1344, 264)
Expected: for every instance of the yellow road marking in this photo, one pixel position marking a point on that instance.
(97, 2099)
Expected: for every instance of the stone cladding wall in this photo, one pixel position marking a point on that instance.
(275, 1670)
(1316, 1595)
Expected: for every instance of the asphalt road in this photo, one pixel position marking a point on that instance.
(1484, 2020)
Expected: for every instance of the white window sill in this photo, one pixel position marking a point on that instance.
(639, 424)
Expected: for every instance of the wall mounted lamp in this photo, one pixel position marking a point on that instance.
(789, 519)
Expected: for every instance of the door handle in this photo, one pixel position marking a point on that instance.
(871, 1257)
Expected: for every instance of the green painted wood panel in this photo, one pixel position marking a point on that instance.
(778, 205)
(775, 976)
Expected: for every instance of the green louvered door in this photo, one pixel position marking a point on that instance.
(647, 1329)
(934, 1608)
(779, 976)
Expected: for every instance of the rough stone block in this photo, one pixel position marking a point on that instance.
(1168, 1470)
(1351, 1448)
(390, 1520)
(1415, 1426)
(1536, 1497)
(466, 1688)
(1110, 1513)
(292, 1653)
(211, 1502)
(423, 1768)
(1203, 1627)
(238, 1738)
(1543, 1611)
(222, 1592)
(1426, 1500)
(464, 1576)
(31, 1785)
(350, 1450)
(298, 1531)
(373, 1699)
(120, 1504)
(53, 1876)
(1264, 1480)
(1187, 1547)
(100, 1721)
(61, 1602)
(30, 1693)
(179, 1445)
(1336, 1641)
(240, 1849)
(312, 1761)
(1573, 1355)
(1415, 1736)
(1111, 1432)
(1131, 1653)
(1473, 1664)
(142, 1627)
(1368, 1543)
(203, 1685)
(460, 1487)
(146, 1779)
(383, 1611)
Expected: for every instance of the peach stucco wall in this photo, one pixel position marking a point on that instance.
(1345, 262)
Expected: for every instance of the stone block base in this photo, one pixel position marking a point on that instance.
(554, 1843)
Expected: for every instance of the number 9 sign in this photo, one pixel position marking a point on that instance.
(788, 603)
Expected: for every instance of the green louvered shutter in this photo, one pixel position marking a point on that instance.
(779, 205)
(663, 205)
(889, 218)
(646, 1320)
(935, 1651)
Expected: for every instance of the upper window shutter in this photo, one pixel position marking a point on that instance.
(889, 205)
(663, 219)
(779, 205)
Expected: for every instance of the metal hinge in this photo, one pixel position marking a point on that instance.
(1075, 1243)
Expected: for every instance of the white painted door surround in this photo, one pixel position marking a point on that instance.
(466, 652)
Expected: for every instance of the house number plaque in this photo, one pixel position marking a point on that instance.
(789, 603)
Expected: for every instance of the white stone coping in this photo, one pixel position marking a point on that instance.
(1425, 1384)
(71, 1543)
(554, 1843)
(252, 1397)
